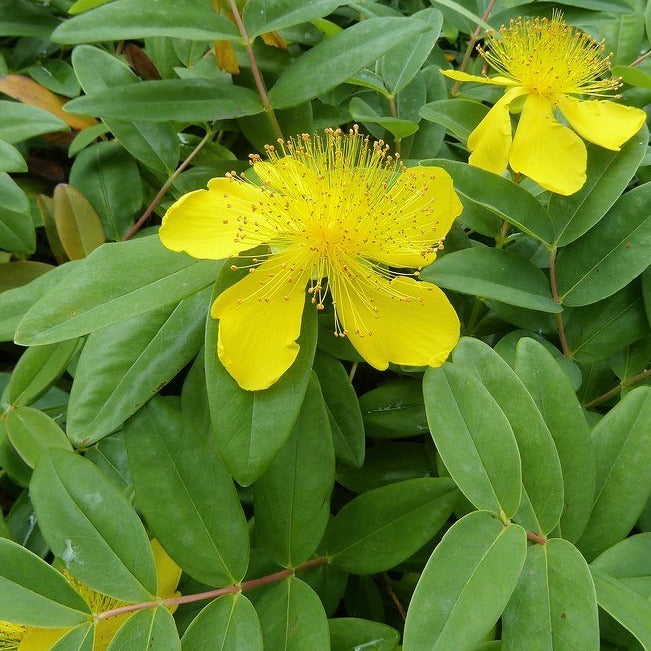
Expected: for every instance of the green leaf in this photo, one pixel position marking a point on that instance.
(181, 100)
(33, 593)
(109, 178)
(343, 410)
(386, 464)
(363, 112)
(125, 364)
(152, 628)
(229, 623)
(292, 497)
(56, 75)
(37, 370)
(11, 160)
(16, 227)
(22, 18)
(459, 116)
(622, 445)
(292, 617)
(542, 479)
(395, 409)
(252, 426)
(31, 431)
(80, 638)
(352, 633)
(495, 274)
(625, 605)
(557, 402)
(153, 143)
(608, 175)
(607, 258)
(474, 439)
(499, 196)
(465, 584)
(628, 560)
(401, 64)
(14, 303)
(463, 11)
(10, 461)
(262, 16)
(127, 19)
(85, 138)
(91, 527)
(554, 605)
(20, 121)
(381, 528)
(116, 282)
(598, 331)
(186, 495)
(332, 61)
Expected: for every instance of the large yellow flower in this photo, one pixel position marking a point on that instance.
(542, 63)
(332, 208)
(16, 637)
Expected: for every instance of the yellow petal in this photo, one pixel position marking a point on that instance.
(413, 217)
(216, 223)
(490, 142)
(168, 572)
(605, 123)
(38, 639)
(260, 321)
(458, 75)
(547, 152)
(402, 321)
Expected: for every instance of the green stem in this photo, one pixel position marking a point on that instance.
(212, 594)
(471, 46)
(560, 326)
(257, 75)
(626, 382)
(166, 186)
(394, 114)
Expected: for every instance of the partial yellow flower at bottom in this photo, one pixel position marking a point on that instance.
(543, 63)
(334, 208)
(15, 637)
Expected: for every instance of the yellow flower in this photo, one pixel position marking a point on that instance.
(542, 63)
(334, 208)
(16, 637)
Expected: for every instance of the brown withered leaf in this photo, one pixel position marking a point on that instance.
(28, 91)
(140, 62)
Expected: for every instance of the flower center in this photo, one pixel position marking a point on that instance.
(11, 635)
(549, 57)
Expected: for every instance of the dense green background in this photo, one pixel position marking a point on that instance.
(500, 501)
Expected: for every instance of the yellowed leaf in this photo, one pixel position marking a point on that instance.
(226, 58)
(274, 39)
(46, 208)
(17, 274)
(79, 226)
(28, 91)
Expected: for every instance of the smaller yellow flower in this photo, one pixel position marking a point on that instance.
(542, 63)
(16, 637)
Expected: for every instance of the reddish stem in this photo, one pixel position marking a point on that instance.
(534, 537)
(212, 594)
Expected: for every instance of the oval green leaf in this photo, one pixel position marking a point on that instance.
(474, 439)
(187, 495)
(493, 273)
(229, 623)
(554, 605)
(465, 585)
(382, 527)
(33, 593)
(92, 528)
